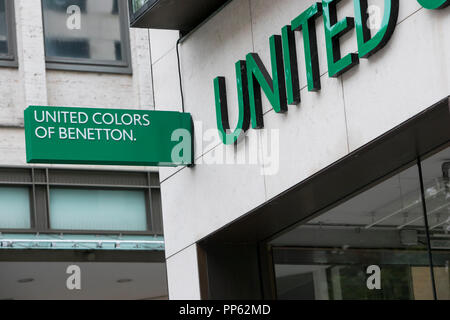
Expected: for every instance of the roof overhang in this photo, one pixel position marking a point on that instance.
(172, 14)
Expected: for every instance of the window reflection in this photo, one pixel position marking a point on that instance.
(96, 209)
(436, 170)
(83, 30)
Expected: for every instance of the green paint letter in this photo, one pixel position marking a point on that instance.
(290, 66)
(306, 22)
(333, 31)
(222, 106)
(258, 78)
(368, 45)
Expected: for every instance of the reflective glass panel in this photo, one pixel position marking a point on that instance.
(83, 209)
(436, 170)
(372, 246)
(14, 208)
(81, 29)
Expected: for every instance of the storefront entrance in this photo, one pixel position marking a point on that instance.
(383, 232)
(374, 225)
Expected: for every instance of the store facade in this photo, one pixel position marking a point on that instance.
(349, 195)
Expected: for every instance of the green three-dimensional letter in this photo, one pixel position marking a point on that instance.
(258, 78)
(367, 44)
(306, 22)
(333, 31)
(222, 106)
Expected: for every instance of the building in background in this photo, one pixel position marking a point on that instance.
(105, 220)
(351, 199)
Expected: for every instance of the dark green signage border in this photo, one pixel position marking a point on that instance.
(62, 135)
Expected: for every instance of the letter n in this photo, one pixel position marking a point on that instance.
(258, 78)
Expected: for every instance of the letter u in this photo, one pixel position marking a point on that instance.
(220, 92)
(36, 116)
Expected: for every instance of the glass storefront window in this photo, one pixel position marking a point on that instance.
(14, 208)
(435, 171)
(373, 246)
(110, 210)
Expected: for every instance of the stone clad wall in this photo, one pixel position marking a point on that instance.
(410, 74)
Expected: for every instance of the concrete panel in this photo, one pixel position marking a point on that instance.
(183, 277)
(13, 97)
(81, 89)
(311, 136)
(197, 201)
(409, 75)
(12, 147)
(142, 68)
(167, 83)
(162, 41)
(31, 54)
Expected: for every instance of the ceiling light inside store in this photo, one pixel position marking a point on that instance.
(431, 192)
(445, 225)
(438, 209)
(440, 188)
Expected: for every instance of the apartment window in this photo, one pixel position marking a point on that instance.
(8, 56)
(40, 200)
(15, 208)
(97, 209)
(83, 35)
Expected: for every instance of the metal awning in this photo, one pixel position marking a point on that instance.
(81, 242)
(172, 14)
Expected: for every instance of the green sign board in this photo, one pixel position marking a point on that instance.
(63, 135)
